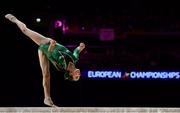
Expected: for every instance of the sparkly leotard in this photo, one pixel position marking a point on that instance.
(60, 56)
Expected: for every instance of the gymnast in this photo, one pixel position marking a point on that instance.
(49, 50)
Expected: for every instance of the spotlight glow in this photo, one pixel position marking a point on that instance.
(38, 20)
(57, 24)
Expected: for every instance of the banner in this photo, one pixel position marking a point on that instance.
(119, 74)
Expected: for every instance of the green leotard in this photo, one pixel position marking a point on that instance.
(60, 56)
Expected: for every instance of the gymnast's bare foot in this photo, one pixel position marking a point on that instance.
(10, 17)
(49, 102)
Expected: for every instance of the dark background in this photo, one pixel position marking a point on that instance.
(147, 38)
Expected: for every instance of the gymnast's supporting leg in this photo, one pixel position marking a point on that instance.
(36, 37)
(44, 63)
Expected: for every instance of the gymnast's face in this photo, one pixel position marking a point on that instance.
(76, 75)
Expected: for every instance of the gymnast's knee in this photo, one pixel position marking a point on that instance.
(46, 75)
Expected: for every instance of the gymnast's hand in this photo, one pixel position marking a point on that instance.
(52, 45)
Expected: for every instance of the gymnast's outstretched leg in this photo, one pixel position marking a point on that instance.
(36, 37)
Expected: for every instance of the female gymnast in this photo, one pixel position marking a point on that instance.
(49, 50)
